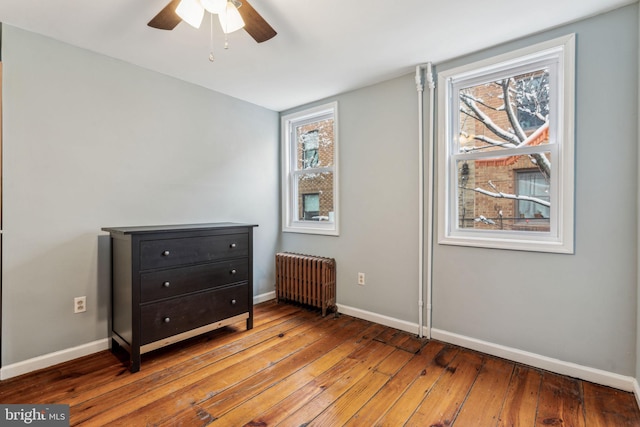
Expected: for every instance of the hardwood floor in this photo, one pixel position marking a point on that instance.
(296, 368)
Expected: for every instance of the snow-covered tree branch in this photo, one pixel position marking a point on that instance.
(476, 113)
(508, 107)
(501, 195)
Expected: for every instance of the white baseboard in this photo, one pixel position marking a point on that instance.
(51, 359)
(380, 319)
(264, 297)
(574, 370)
(46, 360)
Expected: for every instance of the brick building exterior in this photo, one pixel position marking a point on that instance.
(315, 190)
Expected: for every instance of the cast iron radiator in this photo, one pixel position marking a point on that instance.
(306, 279)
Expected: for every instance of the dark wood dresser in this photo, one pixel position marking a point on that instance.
(173, 282)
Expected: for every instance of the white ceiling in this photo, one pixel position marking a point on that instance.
(323, 47)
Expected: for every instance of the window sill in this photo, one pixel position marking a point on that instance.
(516, 243)
(321, 228)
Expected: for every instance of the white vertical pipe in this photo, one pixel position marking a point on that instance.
(420, 89)
(425, 261)
(429, 235)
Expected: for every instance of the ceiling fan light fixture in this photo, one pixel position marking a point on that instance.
(214, 6)
(230, 19)
(191, 12)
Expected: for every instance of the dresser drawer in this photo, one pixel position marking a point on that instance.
(161, 284)
(191, 250)
(171, 317)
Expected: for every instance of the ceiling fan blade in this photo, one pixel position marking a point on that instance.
(254, 24)
(167, 18)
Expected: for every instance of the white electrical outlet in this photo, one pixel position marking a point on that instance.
(361, 279)
(79, 304)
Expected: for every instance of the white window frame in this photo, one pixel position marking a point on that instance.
(560, 53)
(290, 199)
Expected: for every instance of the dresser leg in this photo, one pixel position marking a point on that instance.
(135, 365)
(250, 322)
(135, 359)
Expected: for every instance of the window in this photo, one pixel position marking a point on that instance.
(506, 150)
(310, 171)
(533, 189)
(311, 207)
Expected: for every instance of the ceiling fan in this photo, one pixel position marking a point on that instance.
(192, 11)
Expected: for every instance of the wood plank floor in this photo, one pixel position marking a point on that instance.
(296, 368)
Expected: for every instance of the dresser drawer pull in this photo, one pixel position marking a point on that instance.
(166, 320)
(233, 245)
(165, 253)
(233, 271)
(166, 284)
(233, 302)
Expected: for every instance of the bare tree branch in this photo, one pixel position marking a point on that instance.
(491, 143)
(479, 101)
(542, 163)
(537, 114)
(501, 195)
(479, 115)
(513, 119)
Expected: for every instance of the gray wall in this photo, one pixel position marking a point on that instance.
(378, 154)
(579, 308)
(90, 142)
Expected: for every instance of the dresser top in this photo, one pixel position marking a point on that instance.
(173, 228)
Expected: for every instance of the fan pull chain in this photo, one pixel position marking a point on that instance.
(226, 33)
(211, 57)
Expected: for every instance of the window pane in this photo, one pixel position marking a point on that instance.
(503, 193)
(533, 184)
(315, 196)
(506, 113)
(314, 144)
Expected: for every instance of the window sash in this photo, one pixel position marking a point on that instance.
(295, 193)
(454, 87)
(453, 200)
